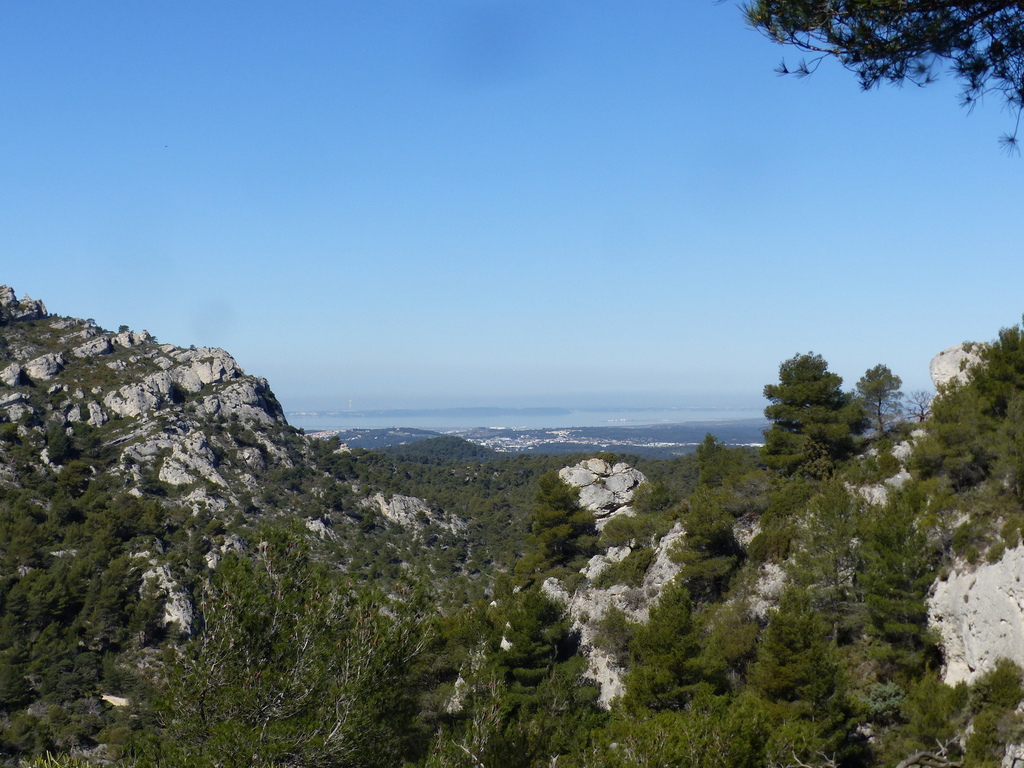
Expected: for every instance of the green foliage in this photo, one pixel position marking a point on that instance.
(884, 703)
(56, 761)
(828, 558)
(879, 389)
(614, 635)
(932, 711)
(899, 566)
(992, 700)
(641, 530)
(891, 41)
(629, 571)
(708, 554)
(799, 670)
(796, 663)
(654, 497)
(528, 701)
(536, 632)
(442, 450)
(664, 672)
(710, 733)
(813, 420)
(290, 667)
(728, 644)
(562, 532)
(716, 461)
(999, 688)
(786, 501)
(495, 728)
(59, 446)
(976, 428)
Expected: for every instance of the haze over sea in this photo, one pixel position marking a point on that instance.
(441, 419)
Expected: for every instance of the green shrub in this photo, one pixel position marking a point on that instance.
(614, 633)
(995, 552)
(629, 571)
(884, 703)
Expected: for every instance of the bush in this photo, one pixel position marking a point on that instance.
(629, 571)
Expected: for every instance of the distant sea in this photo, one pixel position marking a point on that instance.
(441, 419)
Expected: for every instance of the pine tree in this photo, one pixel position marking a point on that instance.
(879, 388)
(813, 420)
(664, 671)
(562, 533)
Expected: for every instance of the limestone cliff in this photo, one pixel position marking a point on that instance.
(977, 610)
(979, 614)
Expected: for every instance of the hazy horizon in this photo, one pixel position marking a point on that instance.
(510, 417)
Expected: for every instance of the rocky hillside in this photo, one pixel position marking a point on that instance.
(188, 418)
(177, 564)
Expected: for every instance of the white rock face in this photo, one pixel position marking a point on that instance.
(191, 457)
(599, 563)
(45, 367)
(878, 494)
(97, 416)
(26, 309)
(11, 399)
(132, 339)
(953, 364)
(404, 510)
(232, 543)
(902, 451)
(1013, 757)
(136, 399)
(177, 606)
(245, 398)
(320, 529)
(605, 490)
(411, 512)
(771, 582)
(588, 606)
(980, 616)
(93, 348)
(11, 375)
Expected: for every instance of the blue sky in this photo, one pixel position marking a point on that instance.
(494, 202)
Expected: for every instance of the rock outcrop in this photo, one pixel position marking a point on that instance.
(978, 611)
(954, 363)
(589, 605)
(979, 614)
(13, 310)
(178, 608)
(605, 489)
(410, 512)
(44, 367)
(878, 493)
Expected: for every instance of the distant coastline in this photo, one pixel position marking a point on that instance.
(654, 433)
(460, 418)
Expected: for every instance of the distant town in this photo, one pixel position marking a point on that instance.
(653, 441)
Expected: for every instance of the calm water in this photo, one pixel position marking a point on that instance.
(521, 418)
